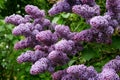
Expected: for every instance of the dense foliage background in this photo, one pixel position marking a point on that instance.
(93, 53)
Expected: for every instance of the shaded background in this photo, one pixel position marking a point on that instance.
(93, 53)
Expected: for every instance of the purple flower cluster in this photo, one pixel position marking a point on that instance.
(59, 7)
(22, 29)
(34, 11)
(113, 64)
(58, 57)
(86, 11)
(47, 37)
(17, 19)
(27, 42)
(59, 74)
(31, 56)
(110, 70)
(40, 66)
(114, 10)
(65, 46)
(62, 31)
(107, 74)
(81, 72)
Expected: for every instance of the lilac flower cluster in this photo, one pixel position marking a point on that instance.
(81, 72)
(86, 11)
(59, 7)
(31, 56)
(52, 43)
(110, 70)
(17, 19)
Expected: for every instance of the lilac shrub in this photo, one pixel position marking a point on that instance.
(54, 44)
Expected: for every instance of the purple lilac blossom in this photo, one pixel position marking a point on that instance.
(22, 29)
(27, 42)
(86, 11)
(59, 74)
(108, 74)
(15, 19)
(39, 66)
(58, 57)
(45, 37)
(59, 7)
(34, 11)
(64, 46)
(62, 30)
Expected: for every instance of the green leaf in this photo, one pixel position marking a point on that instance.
(73, 17)
(55, 19)
(89, 53)
(9, 36)
(116, 42)
(65, 15)
(71, 62)
(2, 28)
